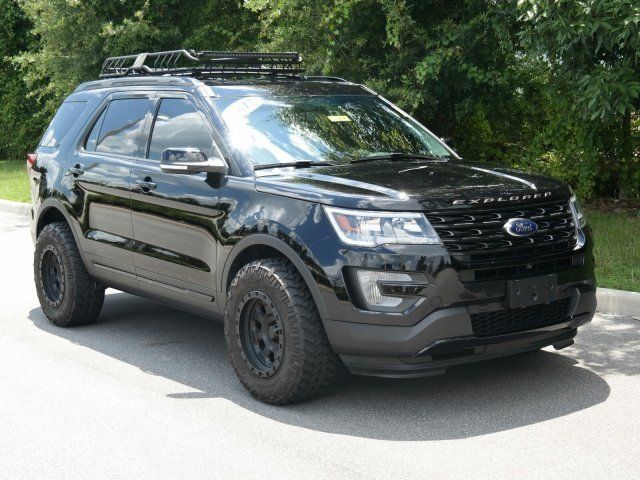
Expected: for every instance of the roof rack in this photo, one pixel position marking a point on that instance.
(204, 64)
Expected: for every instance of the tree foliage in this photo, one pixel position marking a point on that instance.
(545, 85)
(16, 106)
(75, 36)
(593, 46)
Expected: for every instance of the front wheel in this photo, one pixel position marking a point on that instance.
(275, 338)
(68, 295)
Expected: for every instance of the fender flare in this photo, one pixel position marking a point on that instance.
(287, 252)
(52, 203)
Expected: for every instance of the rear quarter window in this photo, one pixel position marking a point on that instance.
(63, 122)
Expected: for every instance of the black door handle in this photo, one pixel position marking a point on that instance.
(76, 170)
(146, 185)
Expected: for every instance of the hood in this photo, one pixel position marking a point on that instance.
(411, 185)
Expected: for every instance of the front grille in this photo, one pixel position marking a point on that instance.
(478, 235)
(500, 322)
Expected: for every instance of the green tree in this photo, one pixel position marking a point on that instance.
(17, 130)
(593, 46)
(74, 37)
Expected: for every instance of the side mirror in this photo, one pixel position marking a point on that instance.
(191, 160)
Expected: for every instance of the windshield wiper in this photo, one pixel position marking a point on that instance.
(397, 156)
(298, 164)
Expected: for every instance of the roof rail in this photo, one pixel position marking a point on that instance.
(135, 81)
(325, 78)
(203, 64)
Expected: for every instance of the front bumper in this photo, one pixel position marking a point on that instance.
(445, 327)
(445, 338)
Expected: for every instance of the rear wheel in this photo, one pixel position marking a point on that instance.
(68, 295)
(275, 338)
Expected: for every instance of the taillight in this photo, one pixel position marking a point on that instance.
(32, 158)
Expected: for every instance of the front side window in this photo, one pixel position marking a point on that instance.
(315, 128)
(117, 131)
(178, 125)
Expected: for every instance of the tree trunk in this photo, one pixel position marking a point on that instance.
(626, 155)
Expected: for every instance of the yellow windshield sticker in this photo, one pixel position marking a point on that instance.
(338, 118)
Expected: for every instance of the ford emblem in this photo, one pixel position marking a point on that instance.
(520, 227)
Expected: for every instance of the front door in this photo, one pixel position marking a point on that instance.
(174, 215)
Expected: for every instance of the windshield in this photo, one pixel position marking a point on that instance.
(334, 129)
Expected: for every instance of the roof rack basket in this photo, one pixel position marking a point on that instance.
(205, 64)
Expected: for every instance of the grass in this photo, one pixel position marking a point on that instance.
(14, 182)
(617, 233)
(617, 248)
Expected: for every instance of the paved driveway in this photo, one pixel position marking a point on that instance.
(147, 393)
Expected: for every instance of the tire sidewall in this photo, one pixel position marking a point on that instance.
(282, 381)
(50, 239)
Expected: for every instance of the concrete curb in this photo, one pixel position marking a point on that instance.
(15, 207)
(618, 302)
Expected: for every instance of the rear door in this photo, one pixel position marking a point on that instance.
(174, 215)
(101, 171)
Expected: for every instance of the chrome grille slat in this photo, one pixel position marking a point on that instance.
(556, 233)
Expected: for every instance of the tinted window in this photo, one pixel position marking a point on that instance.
(178, 124)
(92, 139)
(65, 118)
(121, 126)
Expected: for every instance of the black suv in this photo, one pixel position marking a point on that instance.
(320, 222)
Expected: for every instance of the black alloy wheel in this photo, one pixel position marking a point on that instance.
(52, 273)
(261, 334)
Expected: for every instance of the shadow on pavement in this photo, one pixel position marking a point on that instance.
(610, 347)
(468, 401)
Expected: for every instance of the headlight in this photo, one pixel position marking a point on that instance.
(368, 229)
(578, 216)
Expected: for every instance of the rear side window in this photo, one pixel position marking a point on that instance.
(179, 125)
(63, 121)
(118, 129)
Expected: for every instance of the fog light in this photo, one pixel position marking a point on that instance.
(389, 291)
(369, 284)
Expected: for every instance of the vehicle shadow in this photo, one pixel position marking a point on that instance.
(467, 401)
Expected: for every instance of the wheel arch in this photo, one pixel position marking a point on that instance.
(52, 211)
(49, 215)
(259, 246)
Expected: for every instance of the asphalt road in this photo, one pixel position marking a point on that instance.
(147, 392)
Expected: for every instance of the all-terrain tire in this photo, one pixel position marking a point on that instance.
(68, 295)
(307, 364)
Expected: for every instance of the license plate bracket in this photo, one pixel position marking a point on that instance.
(525, 292)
